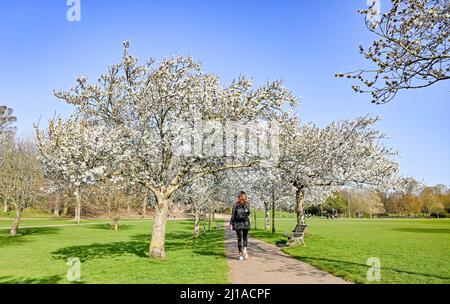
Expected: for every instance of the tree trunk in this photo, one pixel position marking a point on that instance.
(128, 208)
(254, 218)
(348, 204)
(300, 203)
(273, 211)
(196, 222)
(144, 207)
(209, 221)
(77, 206)
(16, 223)
(57, 204)
(157, 245)
(65, 209)
(5, 205)
(204, 223)
(116, 225)
(266, 216)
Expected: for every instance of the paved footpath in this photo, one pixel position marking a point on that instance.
(269, 265)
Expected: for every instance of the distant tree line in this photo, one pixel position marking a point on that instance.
(413, 200)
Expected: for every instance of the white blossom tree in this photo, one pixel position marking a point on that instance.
(6, 118)
(111, 197)
(199, 195)
(258, 182)
(75, 153)
(146, 104)
(411, 50)
(345, 153)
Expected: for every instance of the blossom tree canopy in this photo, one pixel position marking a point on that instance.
(201, 196)
(6, 118)
(147, 103)
(412, 49)
(343, 153)
(77, 153)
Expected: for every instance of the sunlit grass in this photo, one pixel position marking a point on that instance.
(410, 251)
(39, 255)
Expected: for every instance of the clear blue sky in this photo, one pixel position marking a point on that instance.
(303, 42)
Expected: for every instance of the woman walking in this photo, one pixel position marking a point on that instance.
(240, 222)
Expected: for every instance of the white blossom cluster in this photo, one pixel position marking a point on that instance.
(345, 153)
(126, 132)
(146, 104)
(128, 121)
(74, 152)
(411, 50)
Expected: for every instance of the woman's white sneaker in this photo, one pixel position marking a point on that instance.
(246, 257)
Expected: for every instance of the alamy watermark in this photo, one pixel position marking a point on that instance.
(74, 272)
(74, 10)
(255, 139)
(374, 272)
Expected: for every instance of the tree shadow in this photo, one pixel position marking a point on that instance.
(423, 230)
(210, 253)
(6, 240)
(278, 239)
(98, 250)
(186, 223)
(190, 222)
(109, 226)
(209, 243)
(281, 244)
(37, 231)
(343, 265)
(206, 244)
(10, 241)
(43, 280)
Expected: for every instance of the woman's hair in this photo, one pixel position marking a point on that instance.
(242, 198)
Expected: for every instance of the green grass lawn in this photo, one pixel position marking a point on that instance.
(31, 222)
(53, 221)
(410, 251)
(278, 214)
(26, 213)
(39, 255)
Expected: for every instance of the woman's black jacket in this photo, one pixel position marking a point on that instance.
(240, 216)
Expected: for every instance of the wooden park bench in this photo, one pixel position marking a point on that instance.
(296, 237)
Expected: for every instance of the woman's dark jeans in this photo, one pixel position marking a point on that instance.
(242, 238)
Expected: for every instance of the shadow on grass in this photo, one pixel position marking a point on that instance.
(189, 223)
(206, 244)
(276, 238)
(423, 230)
(43, 280)
(109, 226)
(281, 244)
(37, 231)
(350, 266)
(6, 240)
